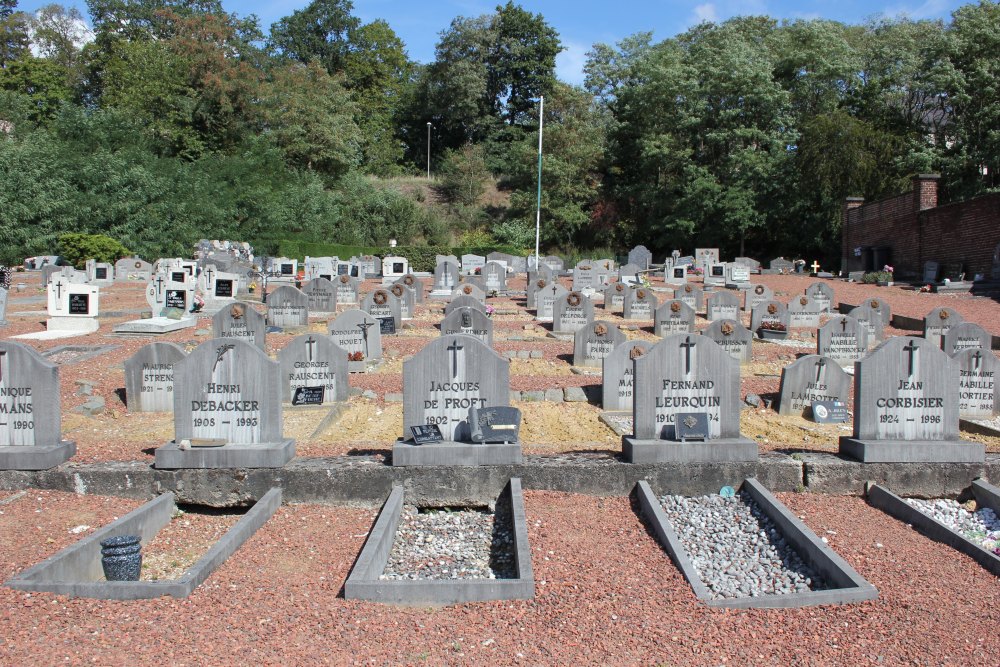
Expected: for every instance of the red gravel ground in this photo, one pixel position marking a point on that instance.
(606, 594)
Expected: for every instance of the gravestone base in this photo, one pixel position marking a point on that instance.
(263, 455)
(36, 457)
(913, 451)
(560, 335)
(72, 325)
(155, 325)
(669, 451)
(450, 453)
(444, 295)
(738, 286)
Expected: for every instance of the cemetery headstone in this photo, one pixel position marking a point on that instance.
(464, 301)
(629, 274)
(880, 306)
(842, 339)
(938, 322)
(469, 289)
(554, 263)
(72, 307)
(822, 294)
(966, 336)
(781, 265)
(675, 275)
(871, 319)
(495, 277)
(445, 278)
(614, 297)
(604, 269)
(359, 335)
(534, 287)
(383, 305)
(767, 317)
(752, 264)
(411, 281)
(931, 270)
(737, 276)
(469, 321)
(715, 275)
(674, 317)
(757, 294)
(978, 389)
(640, 304)
(705, 257)
(407, 298)
(572, 313)
(733, 337)
(394, 267)
(322, 296)
(640, 256)
(811, 378)
(594, 342)
(3, 307)
(618, 373)
(473, 265)
(133, 269)
(546, 299)
(149, 377)
(369, 266)
(803, 312)
(239, 320)
(723, 306)
(288, 307)
(313, 371)
(584, 275)
(346, 291)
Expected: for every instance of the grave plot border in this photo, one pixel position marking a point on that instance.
(74, 570)
(986, 494)
(852, 587)
(363, 583)
(88, 352)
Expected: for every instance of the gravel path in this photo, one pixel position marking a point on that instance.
(737, 551)
(981, 526)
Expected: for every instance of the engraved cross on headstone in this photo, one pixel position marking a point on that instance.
(454, 348)
(911, 349)
(159, 287)
(208, 276)
(364, 325)
(310, 343)
(687, 345)
(820, 363)
(843, 325)
(59, 286)
(978, 356)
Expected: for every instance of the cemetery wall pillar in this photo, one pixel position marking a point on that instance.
(850, 221)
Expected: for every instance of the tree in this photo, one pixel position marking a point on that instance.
(43, 81)
(13, 33)
(463, 174)
(321, 31)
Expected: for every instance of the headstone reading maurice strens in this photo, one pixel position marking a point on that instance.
(149, 377)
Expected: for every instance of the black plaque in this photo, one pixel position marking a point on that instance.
(176, 298)
(494, 425)
(386, 325)
(718, 271)
(178, 276)
(308, 396)
(327, 276)
(678, 273)
(344, 270)
(425, 433)
(224, 288)
(286, 269)
(830, 412)
(79, 304)
(691, 426)
(397, 267)
(101, 273)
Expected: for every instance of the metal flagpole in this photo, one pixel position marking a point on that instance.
(538, 213)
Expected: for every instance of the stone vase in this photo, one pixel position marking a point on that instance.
(121, 558)
(771, 334)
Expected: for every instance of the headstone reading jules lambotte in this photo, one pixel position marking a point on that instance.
(686, 404)
(30, 420)
(811, 378)
(240, 320)
(906, 407)
(227, 410)
(618, 374)
(441, 383)
(149, 377)
(594, 342)
(313, 371)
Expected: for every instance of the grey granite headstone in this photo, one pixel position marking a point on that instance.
(322, 296)
(227, 407)
(842, 339)
(572, 312)
(715, 275)
(358, 334)
(30, 426)
(544, 273)
(640, 256)
(414, 283)
(446, 276)
(906, 406)
(748, 262)
(681, 374)
(469, 321)
(494, 277)
(732, 337)
(555, 263)
(464, 301)
(382, 304)
(3, 306)
(781, 265)
(772, 313)
(133, 269)
(673, 317)
(288, 306)
(692, 295)
(757, 294)
(811, 378)
(937, 323)
(880, 306)
(534, 287)
(407, 298)
(594, 342)
(545, 301)
(313, 361)
(584, 275)
(803, 312)
(240, 320)
(473, 264)
(723, 306)
(604, 269)
(966, 336)
(469, 289)
(822, 294)
(978, 388)
(703, 257)
(629, 274)
(614, 297)
(149, 377)
(618, 373)
(872, 321)
(640, 304)
(346, 291)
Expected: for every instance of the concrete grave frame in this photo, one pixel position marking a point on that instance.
(364, 584)
(851, 586)
(76, 570)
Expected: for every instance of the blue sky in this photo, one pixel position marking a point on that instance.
(581, 23)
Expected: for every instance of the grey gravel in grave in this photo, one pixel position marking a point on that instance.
(981, 526)
(452, 544)
(736, 550)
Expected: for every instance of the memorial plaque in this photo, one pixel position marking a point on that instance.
(494, 424)
(225, 288)
(425, 434)
(357, 333)
(811, 378)
(842, 339)
(79, 304)
(723, 306)
(572, 313)
(692, 426)
(830, 412)
(383, 305)
(930, 274)
(287, 269)
(639, 304)
(978, 395)
(287, 306)
(239, 320)
(176, 298)
(470, 322)
(732, 337)
(803, 313)
(29, 398)
(966, 336)
(619, 372)
(178, 276)
(100, 273)
(321, 295)
(674, 317)
(593, 343)
(757, 294)
(692, 296)
(675, 275)
(308, 396)
(738, 276)
(614, 297)
(310, 362)
(149, 377)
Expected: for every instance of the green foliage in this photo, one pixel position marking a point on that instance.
(13, 33)
(462, 175)
(873, 277)
(77, 248)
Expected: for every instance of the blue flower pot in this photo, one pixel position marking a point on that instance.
(121, 558)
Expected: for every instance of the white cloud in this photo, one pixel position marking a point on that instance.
(705, 12)
(570, 62)
(930, 9)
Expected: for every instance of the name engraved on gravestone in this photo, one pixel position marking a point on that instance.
(79, 304)
(447, 377)
(692, 296)
(584, 275)
(618, 374)
(149, 377)
(723, 306)
(357, 333)
(966, 336)
(321, 295)
(494, 424)
(830, 412)
(572, 313)
(311, 361)
(732, 337)
(545, 301)
(176, 298)
(672, 317)
(978, 395)
(288, 306)
(614, 297)
(346, 290)
(100, 273)
(594, 342)
(178, 276)
(871, 320)
(470, 322)
(639, 304)
(938, 322)
(383, 305)
(811, 378)
(757, 294)
(239, 320)
(29, 398)
(842, 339)
(803, 312)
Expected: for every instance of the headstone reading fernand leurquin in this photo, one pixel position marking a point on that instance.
(803, 312)
(966, 336)
(978, 388)
(733, 337)
(313, 371)
(470, 322)
(723, 306)
(240, 320)
(572, 313)
(359, 335)
(618, 373)
(594, 342)
(906, 406)
(811, 378)
(321, 295)
(842, 339)
(938, 322)
(149, 377)
(673, 317)
(288, 307)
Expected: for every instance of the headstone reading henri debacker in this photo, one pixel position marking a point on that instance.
(640, 304)
(692, 295)
(227, 410)
(440, 383)
(30, 426)
(822, 295)
(464, 301)
(681, 378)
(614, 297)
(811, 378)
(149, 377)
(842, 339)
(938, 322)
(871, 320)
(640, 256)
(383, 305)
(240, 320)
(358, 334)
(322, 296)
(546, 299)
(407, 299)
(288, 307)
(906, 407)
(966, 336)
(755, 295)
(978, 389)
(572, 313)
(313, 371)
(803, 312)
(673, 317)
(723, 306)
(469, 321)
(618, 373)
(593, 343)
(732, 337)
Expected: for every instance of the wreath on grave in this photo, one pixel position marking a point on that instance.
(138, 265)
(640, 294)
(237, 312)
(675, 307)
(619, 287)
(873, 303)
(397, 290)
(688, 288)
(759, 289)
(407, 280)
(540, 284)
(771, 309)
(636, 352)
(727, 329)
(345, 279)
(380, 297)
(573, 299)
(600, 330)
(944, 314)
(467, 289)
(803, 300)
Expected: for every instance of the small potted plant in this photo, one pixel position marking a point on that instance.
(772, 330)
(885, 279)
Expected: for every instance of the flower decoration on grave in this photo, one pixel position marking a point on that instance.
(636, 352)
(478, 270)
(197, 303)
(640, 294)
(727, 329)
(540, 284)
(619, 287)
(888, 269)
(355, 356)
(380, 297)
(489, 310)
(944, 314)
(803, 300)
(675, 307)
(585, 268)
(573, 299)
(600, 330)
(688, 288)
(344, 279)
(397, 290)
(759, 289)
(771, 309)
(773, 326)
(467, 289)
(873, 303)
(408, 280)
(138, 265)
(237, 312)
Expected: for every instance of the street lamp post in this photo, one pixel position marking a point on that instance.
(428, 151)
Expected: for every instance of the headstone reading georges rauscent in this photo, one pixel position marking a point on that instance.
(313, 371)
(407, 299)
(906, 396)
(572, 313)
(30, 419)
(240, 320)
(733, 337)
(966, 336)
(614, 297)
(938, 322)
(359, 335)
(673, 317)
(686, 379)
(149, 377)
(227, 409)
(640, 304)
(843, 340)
(811, 378)
(723, 306)
(755, 295)
(803, 312)
(321, 295)
(618, 374)
(593, 343)
(383, 305)
(441, 383)
(470, 322)
(288, 307)
(978, 389)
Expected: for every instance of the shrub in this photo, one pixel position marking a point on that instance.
(78, 248)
